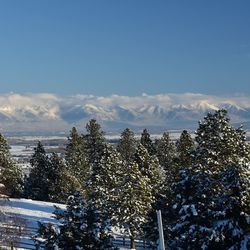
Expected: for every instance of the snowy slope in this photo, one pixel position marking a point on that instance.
(23, 215)
(27, 213)
(29, 210)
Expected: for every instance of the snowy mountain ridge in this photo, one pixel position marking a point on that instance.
(47, 111)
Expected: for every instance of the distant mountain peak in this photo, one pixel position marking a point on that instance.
(52, 112)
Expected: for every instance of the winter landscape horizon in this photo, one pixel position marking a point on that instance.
(54, 114)
(124, 125)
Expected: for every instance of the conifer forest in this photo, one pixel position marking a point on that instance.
(200, 183)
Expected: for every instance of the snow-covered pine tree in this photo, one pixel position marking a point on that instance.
(37, 183)
(150, 167)
(223, 151)
(200, 203)
(78, 228)
(59, 181)
(10, 174)
(127, 145)
(47, 179)
(76, 158)
(95, 141)
(231, 218)
(231, 228)
(147, 142)
(135, 199)
(165, 151)
(184, 149)
(105, 181)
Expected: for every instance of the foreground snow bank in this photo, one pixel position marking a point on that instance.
(29, 210)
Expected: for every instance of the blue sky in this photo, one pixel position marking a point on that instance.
(125, 47)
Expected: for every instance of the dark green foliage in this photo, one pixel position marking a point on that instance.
(49, 179)
(37, 184)
(95, 141)
(79, 228)
(211, 197)
(10, 174)
(77, 158)
(127, 145)
(165, 151)
(184, 148)
(105, 180)
(150, 167)
(147, 142)
(135, 199)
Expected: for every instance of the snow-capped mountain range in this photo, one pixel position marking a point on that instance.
(53, 113)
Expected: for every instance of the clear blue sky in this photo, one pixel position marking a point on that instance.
(125, 46)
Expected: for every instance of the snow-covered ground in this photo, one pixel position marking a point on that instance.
(26, 214)
(29, 210)
(22, 216)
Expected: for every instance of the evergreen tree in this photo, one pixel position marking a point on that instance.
(95, 141)
(165, 151)
(232, 216)
(185, 148)
(127, 145)
(150, 167)
(218, 143)
(47, 176)
(78, 228)
(37, 184)
(76, 157)
(105, 181)
(67, 184)
(135, 199)
(147, 142)
(202, 204)
(10, 174)
(59, 181)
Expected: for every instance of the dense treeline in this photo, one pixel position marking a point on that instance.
(201, 185)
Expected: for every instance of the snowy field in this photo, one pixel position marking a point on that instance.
(24, 215)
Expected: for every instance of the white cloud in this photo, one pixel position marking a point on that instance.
(151, 110)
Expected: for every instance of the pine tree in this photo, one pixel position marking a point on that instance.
(76, 158)
(10, 174)
(202, 192)
(147, 142)
(95, 141)
(165, 151)
(150, 168)
(135, 199)
(37, 184)
(47, 176)
(105, 181)
(59, 180)
(127, 145)
(78, 228)
(232, 216)
(184, 149)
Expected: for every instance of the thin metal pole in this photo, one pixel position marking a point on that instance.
(160, 228)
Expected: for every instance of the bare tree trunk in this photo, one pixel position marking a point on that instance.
(132, 238)
(132, 242)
